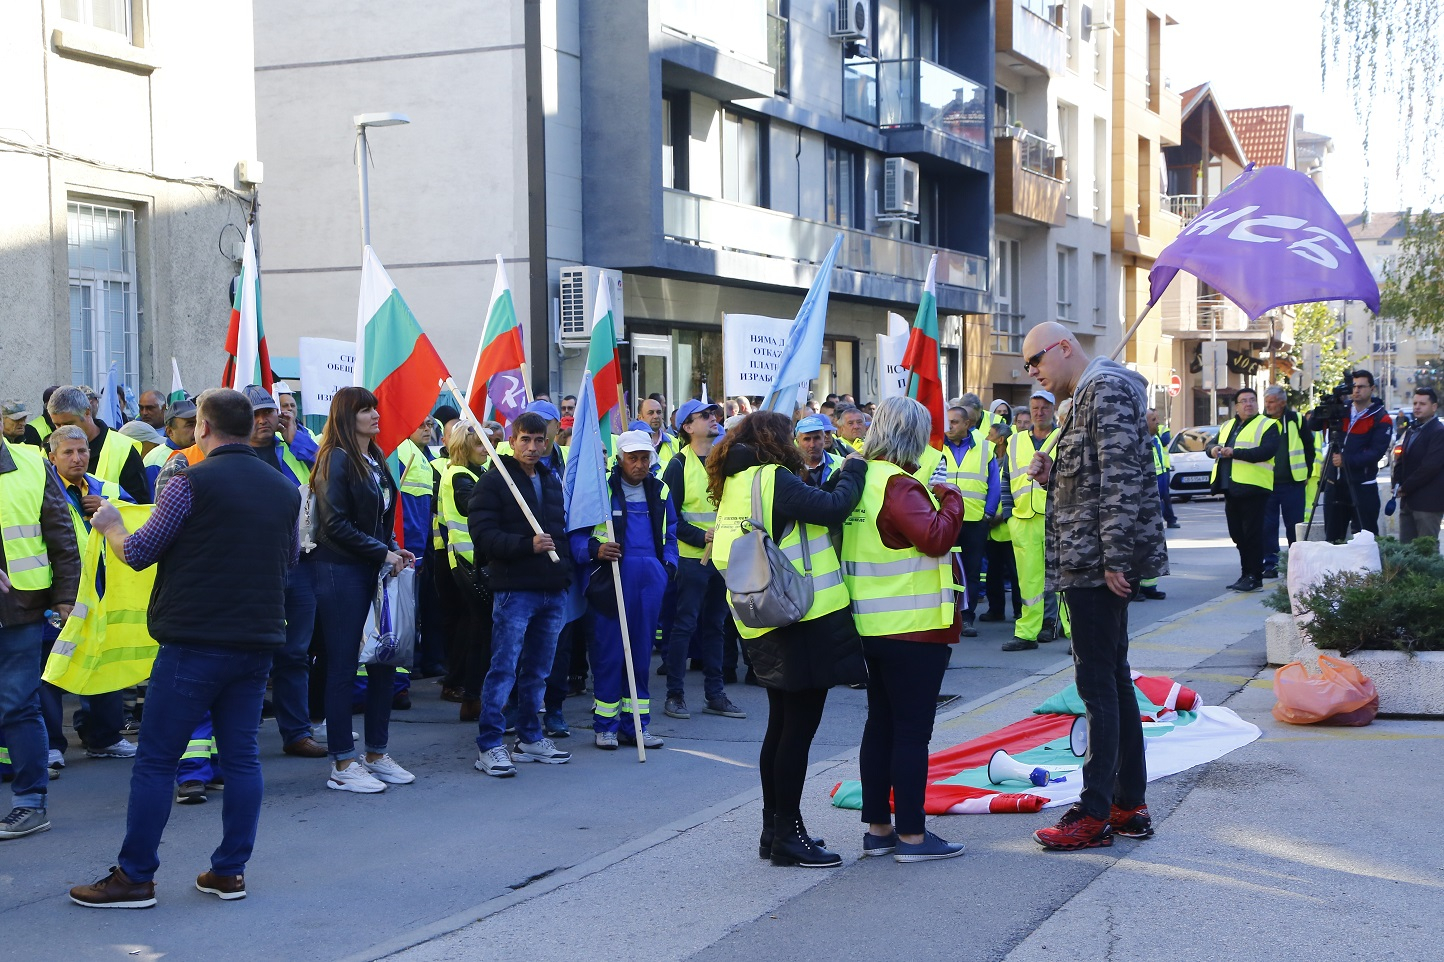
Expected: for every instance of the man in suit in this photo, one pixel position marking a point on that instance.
(1419, 473)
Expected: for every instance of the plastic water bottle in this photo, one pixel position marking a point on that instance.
(54, 618)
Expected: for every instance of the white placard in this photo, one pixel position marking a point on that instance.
(326, 367)
(892, 377)
(752, 348)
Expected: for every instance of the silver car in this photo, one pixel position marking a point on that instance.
(1191, 466)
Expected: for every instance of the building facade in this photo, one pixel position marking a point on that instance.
(124, 134)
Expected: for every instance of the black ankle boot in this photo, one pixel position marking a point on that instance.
(791, 845)
(764, 842)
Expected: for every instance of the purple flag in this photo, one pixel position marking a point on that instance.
(507, 392)
(1268, 240)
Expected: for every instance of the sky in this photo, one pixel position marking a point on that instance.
(1260, 53)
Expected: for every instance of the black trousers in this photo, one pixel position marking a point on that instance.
(903, 681)
(1002, 578)
(1350, 507)
(792, 720)
(1114, 770)
(973, 540)
(1245, 526)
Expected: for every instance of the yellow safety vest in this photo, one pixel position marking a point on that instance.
(1030, 499)
(1255, 474)
(668, 449)
(927, 464)
(22, 492)
(110, 491)
(158, 456)
(696, 507)
(416, 471)
(828, 591)
(113, 454)
(452, 521)
(42, 428)
(970, 475)
(893, 591)
(297, 466)
(106, 644)
(1156, 446)
(1298, 464)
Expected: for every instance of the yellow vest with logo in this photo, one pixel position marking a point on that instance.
(113, 455)
(828, 591)
(893, 591)
(1030, 499)
(452, 521)
(1256, 474)
(696, 507)
(970, 475)
(22, 492)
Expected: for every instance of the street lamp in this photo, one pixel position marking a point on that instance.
(362, 121)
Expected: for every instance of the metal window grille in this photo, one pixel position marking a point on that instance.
(104, 297)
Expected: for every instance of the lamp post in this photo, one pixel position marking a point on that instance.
(362, 121)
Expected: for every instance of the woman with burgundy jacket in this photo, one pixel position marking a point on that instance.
(899, 544)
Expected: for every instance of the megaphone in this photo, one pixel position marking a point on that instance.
(1078, 737)
(1003, 767)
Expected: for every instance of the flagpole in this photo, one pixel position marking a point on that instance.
(450, 385)
(627, 648)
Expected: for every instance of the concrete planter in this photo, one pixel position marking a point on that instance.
(1281, 634)
(1406, 685)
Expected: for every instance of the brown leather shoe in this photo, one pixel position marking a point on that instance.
(225, 886)
(452, 694)
(305, 747)
(470, 709)
(115, 891)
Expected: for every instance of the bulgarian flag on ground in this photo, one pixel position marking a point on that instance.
(250, 359)
(923, 359)
(604, 363)
(177, 393)
(395, 360)
(498, 375)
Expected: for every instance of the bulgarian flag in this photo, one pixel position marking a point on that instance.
(500, 358)
(395, 360)
(177, 393)
(604, 363)
(250, 359)
(923, 359)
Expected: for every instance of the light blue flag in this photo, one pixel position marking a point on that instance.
(110, 408)
(584, 485)
(803, 357)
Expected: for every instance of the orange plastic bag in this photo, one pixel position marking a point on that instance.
(1340, 696)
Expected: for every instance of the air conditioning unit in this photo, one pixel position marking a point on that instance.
(849, 20)
(899, 186)
(1099, 16)
(578, 303)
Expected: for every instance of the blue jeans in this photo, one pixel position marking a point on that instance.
(700, 607)
(1114, 771)
(20, 654)
(185, 683)
(524, 630)
(344, 593)
(1286, 500)
(1163, 488)
(291, 669)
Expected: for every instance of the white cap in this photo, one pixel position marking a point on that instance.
(1045, 395)
(636, 441)
(281, 387)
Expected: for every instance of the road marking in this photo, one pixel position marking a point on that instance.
(713, 758)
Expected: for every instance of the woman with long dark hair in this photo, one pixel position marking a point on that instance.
(355, 513)
(797, 663)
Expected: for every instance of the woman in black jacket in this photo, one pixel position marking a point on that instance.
(797, 663)
(355, 513)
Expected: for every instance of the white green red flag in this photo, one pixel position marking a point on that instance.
(923, 358)
(605, 364)
(250, 359)
(497, 373)
(177, 392)
(394, 358)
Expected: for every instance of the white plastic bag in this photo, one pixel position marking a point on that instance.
(1312, 562)
(389, 637)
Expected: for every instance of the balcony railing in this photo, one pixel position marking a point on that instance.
(1036, 153)
(724, 225)
(737, 27)
(919, 93)
(1183, 206)
(859, 91)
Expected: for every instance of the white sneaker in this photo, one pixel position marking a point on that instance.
(386, 769)
(607, 741)
(648, 739)
(318, 732)
(543, 750)
(121, 749)
(56, 759)
(355, 778)
(495, 762)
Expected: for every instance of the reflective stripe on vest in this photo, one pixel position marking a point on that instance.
(453, 522)
(113, 455)
(1298, 464)
(970, 475)
(416, 472)
(1156, 446)
(1030, 499)
(829, 594)
(158, 456)
(696, 507)
(1254, 474)
(22, 492)
(297, 466)
(893, 590)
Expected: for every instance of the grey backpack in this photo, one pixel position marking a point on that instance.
(763, 588)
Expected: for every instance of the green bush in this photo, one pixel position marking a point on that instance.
(1396, 608)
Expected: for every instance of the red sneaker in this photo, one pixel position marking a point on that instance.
(1131, 822)
(1075, 830)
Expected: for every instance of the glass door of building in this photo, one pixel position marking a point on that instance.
(652, 371)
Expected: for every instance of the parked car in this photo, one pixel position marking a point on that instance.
(1191, 466)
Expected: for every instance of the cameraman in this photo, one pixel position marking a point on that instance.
(1351, 492)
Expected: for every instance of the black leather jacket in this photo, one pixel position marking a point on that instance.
(350, 523)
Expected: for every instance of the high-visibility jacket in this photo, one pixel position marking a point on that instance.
(1256, 474)
(416, 470)
(156, 459)
(828, 592)
(1298, 464)
(114, 452)
(296, 466)
(892, 590)
(831, 464)
(667, 449)
(22, 492)
(1160, 456)
(1030, 499)
(452, 522)
(42, 428)
(696, 507)
(927, 464)
(970, 475)
(108, 490)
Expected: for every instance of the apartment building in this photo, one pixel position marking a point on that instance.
(126, 134)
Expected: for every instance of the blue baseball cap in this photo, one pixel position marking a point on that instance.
(640, 426)
(546, 409)
(689, 408)
(813, 422)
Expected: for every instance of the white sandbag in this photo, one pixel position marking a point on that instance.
(1311, 562)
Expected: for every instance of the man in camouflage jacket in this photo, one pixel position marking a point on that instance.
(1104, 535)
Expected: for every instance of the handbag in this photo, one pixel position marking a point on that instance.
(389, 637)
(764, 590)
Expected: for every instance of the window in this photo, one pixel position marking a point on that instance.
(1067, 147)
(676, 114)
(919, 33)
(104, 300)
(1102, 38)
(113, 15)
(1147, 188)
(1153, 82)
(844, 187)
(1067, 281)
(744, 159)
(779, 37)
(1005, 107)
(1007, 321)
(1100, 290)
(1100, 170)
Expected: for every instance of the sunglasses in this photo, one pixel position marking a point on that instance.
(1031, 364)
